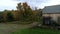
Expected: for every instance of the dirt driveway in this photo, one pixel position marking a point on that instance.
(8, 28)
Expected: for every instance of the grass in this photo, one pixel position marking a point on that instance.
(36, 31)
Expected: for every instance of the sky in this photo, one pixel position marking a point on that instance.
(11, 4)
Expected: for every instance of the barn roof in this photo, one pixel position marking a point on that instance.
(52, 9)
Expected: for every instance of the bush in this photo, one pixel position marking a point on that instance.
(10, 17)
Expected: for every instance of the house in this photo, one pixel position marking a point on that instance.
(51, 13)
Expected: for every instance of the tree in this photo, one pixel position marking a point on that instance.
(20, 11)
(10, 17)
(27, 12)
(1, 17)
(24, 11)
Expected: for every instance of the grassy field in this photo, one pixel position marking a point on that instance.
(36, 31)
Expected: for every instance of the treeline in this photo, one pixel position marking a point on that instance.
(23, 13)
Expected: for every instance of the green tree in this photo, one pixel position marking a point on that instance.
(10, 16)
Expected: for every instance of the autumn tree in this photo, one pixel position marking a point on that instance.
(25, 12)
(28, 12)
(20, 11)
(37, 15)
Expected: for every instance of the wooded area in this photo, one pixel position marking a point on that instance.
(23, 13)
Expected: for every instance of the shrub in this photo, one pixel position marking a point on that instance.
(10, 17)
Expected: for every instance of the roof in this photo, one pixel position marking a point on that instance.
(52, 9)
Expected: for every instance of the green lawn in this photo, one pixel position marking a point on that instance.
(36, 31)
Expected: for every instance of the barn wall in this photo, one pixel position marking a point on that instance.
(54, 16)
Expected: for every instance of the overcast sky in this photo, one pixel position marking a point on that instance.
(11, 4)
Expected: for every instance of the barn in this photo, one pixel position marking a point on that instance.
(51, 13)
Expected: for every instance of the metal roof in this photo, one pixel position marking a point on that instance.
(52, 9)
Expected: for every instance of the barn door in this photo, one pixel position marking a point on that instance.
(59, 19)
(46, 20)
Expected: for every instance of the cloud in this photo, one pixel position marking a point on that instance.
(40, 3)
(11, 4)
(35, 3)
(8, 4)
(51, 2)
